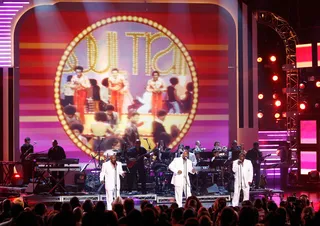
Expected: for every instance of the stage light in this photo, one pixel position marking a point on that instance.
(277, 103)
(259, 59)
(273, 59)
(277, 115)
(302, 106)
(317, 105)
(318, 84)
(284, 114)
(275, 77)
(260, 115)
(302, 86)
(274, 96)
(260, 96)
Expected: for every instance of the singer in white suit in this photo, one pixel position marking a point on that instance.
(110, 176)
(243, 175)
(180, 167)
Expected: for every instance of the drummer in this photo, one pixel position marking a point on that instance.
(116, 145)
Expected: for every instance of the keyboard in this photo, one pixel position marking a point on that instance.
(58, 162)
(60, 169)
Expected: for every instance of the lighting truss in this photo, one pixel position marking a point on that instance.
(290, 40)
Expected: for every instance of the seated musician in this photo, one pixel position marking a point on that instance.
(56, 153)
(26, 149)
(133, 156)
(197, 147)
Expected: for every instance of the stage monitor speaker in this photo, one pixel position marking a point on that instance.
(213, 189)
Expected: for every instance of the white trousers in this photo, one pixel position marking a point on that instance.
(110, 197)
(236, 194)
(179, 190)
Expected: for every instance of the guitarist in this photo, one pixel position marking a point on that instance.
(134, 153)
(26, 149)
(255, 155)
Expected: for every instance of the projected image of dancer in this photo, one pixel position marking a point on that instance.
(80, 84)
(118, 85)
(156, 86)
(158, 130)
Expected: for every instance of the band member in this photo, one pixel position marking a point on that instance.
(216, 146)
(135, 156)
(284, 162)
(197, 148)
(118, 85)
(80, 84)
(255, 156)
(26, 149)
(56, 153)
(112, 117)
(234, 151)
(131, 133)
(191, 156)
(243, 174)
(110, 176)
(158, 130)
(156, 86)
(181, 167)
(173, 98)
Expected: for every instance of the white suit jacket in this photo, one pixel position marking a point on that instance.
(175, 166)
(109, 175)
(245, 171)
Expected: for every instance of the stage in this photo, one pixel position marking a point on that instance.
(207, 200)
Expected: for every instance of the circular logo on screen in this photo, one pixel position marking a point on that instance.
(125, 78)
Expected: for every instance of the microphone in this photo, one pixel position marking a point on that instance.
(34, 142)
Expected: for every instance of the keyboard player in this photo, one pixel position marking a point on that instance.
(56, 153)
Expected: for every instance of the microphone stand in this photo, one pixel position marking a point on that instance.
(115, 181)
(240, 167)
(186, 175)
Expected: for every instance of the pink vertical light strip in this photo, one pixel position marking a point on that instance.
(8, 10)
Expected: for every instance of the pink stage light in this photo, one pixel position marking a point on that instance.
(17, 3)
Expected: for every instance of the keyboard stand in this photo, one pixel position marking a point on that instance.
(58, 184)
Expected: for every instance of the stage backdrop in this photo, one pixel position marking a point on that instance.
(194, 43)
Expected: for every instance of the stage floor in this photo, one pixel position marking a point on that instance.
(207, 200)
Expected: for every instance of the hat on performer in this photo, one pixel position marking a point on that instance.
(27, 139)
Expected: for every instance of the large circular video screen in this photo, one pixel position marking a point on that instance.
(125, 78)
